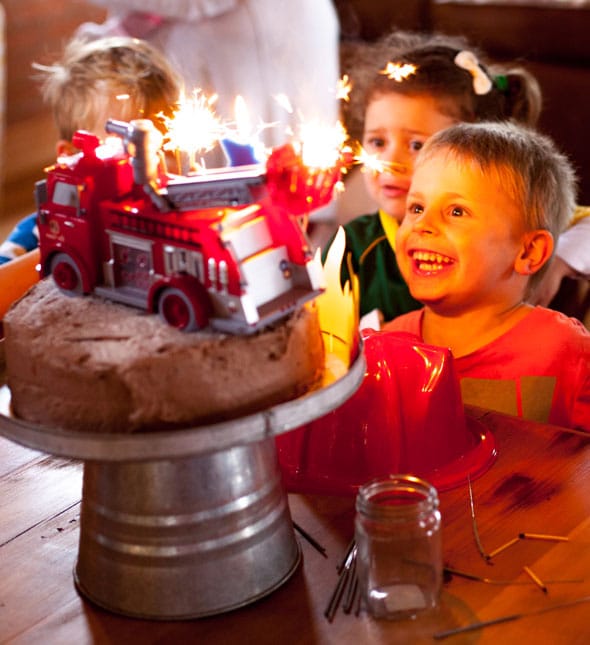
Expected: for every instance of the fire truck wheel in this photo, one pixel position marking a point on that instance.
(177, 309)
(66, 274)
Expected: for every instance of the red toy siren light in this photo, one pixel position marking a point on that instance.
(406, 417)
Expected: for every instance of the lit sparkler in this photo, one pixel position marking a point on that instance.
(321, 145)
(374, 164)
(194, 129)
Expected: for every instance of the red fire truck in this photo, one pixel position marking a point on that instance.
(225, 248)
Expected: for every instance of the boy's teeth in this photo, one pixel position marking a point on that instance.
(430, 261)
(429, 256)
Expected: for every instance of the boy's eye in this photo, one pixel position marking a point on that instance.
(416, 145)
(457, 211)
(415, 209)
(375, 143)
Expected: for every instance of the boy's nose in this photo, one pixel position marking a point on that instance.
(426, 221)
(396, 158)
(396, 168)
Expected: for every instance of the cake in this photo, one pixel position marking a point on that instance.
(91, 365)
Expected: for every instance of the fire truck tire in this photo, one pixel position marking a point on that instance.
(66, 274)
(179, 311)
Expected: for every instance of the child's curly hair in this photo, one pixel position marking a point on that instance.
(514, 95)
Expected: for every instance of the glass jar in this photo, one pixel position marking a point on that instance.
(399, 549)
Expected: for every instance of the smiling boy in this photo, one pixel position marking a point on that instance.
(484, 210)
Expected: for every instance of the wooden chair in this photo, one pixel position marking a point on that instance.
(16, 277)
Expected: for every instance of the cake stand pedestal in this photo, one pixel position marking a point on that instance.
(185, 523)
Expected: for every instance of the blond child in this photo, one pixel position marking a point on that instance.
(115, 77)
(433, 82)
(486, 203)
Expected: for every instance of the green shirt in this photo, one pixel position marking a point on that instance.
(381, 285)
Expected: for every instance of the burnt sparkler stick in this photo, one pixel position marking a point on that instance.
(504, 619)
(508, 544)
(504, 583)
(349, 549)
(316, 545)
(542, 536)
(336, 596)
(352, 588)
(480, 548)
(535, 579)
(345, 575)
(357, 610)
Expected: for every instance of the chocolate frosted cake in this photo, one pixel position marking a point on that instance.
(90, 365)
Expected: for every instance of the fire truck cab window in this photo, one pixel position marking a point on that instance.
(66, 195)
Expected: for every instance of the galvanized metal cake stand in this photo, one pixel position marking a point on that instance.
(186, 523)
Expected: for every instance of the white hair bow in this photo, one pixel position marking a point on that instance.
(467, 60)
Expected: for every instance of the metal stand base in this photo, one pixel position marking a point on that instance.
(185, 538)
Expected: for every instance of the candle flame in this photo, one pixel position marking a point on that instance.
(243, 121)
(337, 306)
(284, 101)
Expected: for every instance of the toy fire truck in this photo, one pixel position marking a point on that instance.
(225, 248)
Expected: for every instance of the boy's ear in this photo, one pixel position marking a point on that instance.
(537, 249)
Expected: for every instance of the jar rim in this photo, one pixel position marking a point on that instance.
(397, 496)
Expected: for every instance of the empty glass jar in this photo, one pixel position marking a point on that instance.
(399, 550)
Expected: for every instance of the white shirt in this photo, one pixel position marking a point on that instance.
(254, 48)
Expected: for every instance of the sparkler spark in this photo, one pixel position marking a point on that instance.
(194, 128)
(374, 164)
(398, 71)
(321, 145)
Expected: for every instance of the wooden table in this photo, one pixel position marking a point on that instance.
(539, 484)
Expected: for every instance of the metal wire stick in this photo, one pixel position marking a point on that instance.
(504, 583)
(504, 619)
(480, 548)
(352, 587)
(314, 543)
(351, 546)
(343, 580)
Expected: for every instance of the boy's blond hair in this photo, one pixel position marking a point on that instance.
(527, 164)
(79, 87)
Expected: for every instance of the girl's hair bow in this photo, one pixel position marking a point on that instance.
(467, 60)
